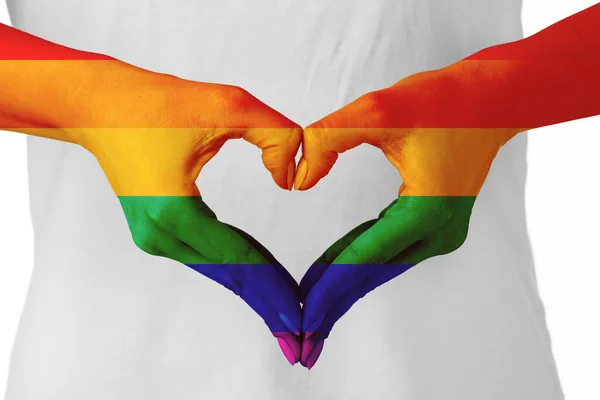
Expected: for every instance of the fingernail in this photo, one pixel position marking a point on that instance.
(314, 356)
(312, 328)
(289, 324)
(291, 174)
(287, 351)
(301, 173)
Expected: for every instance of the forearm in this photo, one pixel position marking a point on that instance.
(548, 78)
(46, 87)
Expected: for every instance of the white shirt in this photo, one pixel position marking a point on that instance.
(104, 320)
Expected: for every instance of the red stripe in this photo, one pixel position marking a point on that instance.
(18, 45)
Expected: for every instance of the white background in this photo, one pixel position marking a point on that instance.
(563, 203)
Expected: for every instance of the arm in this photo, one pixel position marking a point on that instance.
(152, 134)
(442, 130)
(45, 86)
(547, 78)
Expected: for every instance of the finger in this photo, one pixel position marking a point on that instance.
(154, 240)
(273, 294)
(174, 249)
(312, 344)
(190, 220)
(266, 292)
(278, 137)
(317, 269)
(320, 265)
(406, 222)
(290, 346)
(311, 351)
(262, 288)
(243, 264)
(356, 280)
(288, 278)
(255, 244)
(279, 148)
(312, 348)
(261, 285)
(289, 342)
(175, 227)
(377, 276)
(404, 261)
(345, 129)
(250, 119)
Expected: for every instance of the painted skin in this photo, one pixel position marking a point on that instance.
(441, 130)
(442, 170)
(443, 157)
(151, 135)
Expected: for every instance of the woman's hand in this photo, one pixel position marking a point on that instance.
(443, 166)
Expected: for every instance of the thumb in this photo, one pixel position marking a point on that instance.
(278, 137)
(345, 129)
(279, 147)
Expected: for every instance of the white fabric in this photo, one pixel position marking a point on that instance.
(105, 321)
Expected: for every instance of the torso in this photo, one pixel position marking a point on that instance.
(105, 321)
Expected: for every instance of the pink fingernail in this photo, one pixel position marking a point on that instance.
(287, 351)
(290, 346)
(314, 356)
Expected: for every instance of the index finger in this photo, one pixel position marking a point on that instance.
(407, 221)
(317, 269)
(190, 220)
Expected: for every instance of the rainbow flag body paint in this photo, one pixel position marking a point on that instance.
(152, 134)
(440, 129)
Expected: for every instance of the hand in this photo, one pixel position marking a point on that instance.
(152, 139)
(443, 170)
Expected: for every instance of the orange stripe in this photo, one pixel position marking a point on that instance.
(59, 94)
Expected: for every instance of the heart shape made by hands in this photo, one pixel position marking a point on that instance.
(443, 170)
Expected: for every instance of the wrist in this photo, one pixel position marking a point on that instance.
(113, 94)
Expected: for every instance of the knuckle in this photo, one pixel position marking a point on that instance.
(294, 137)
(234, 285)
(223, 257)
(374, 105)
(372, 101)
(167, 213)
(236, 97)
(444, 209)
(157, 214)
(218, 255)
(352, 250)
(165, 220)
(371, 98)
(246, 253)
(243, 256)
(311, 137)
